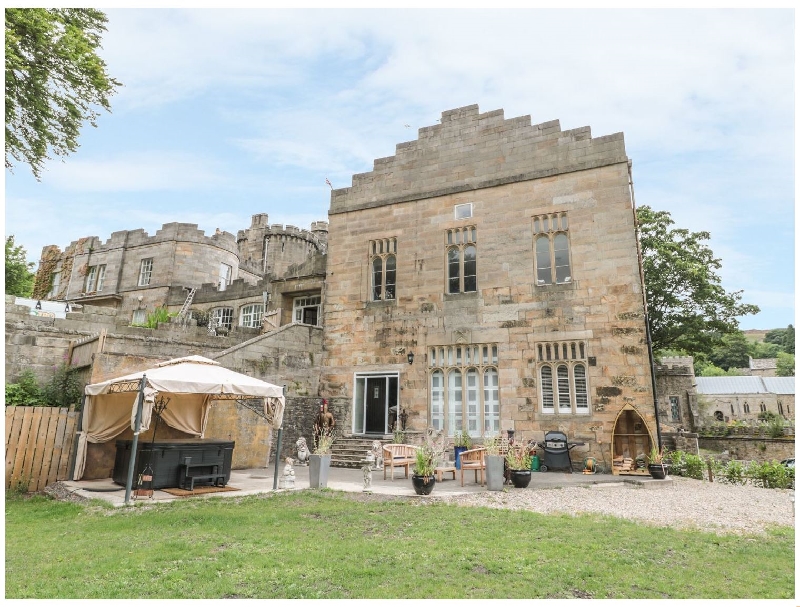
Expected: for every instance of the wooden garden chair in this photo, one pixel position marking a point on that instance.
(473, 459)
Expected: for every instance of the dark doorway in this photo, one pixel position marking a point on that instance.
(376, 405)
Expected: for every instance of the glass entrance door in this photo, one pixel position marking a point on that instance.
(375, 398)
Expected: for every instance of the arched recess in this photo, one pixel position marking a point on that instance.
(630, 437)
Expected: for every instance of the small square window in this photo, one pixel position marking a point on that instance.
(464, 211)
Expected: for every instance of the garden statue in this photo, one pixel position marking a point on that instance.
(367, 470)
(377, 452)
(302, 451)
(324, 422)
(287, 480)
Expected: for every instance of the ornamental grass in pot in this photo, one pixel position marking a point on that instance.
(428, 456)
(657, 466)
(519, 465)
(319, 462)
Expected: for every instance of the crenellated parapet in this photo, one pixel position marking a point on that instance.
(273, 248)
(469, 151)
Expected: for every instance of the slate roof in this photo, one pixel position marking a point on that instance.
(745, 384)
(779, 385)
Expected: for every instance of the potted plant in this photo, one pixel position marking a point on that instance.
(319, 462)
(495, 477)
(428, 456)
(657, 466)
(519, 465)
(461, 442)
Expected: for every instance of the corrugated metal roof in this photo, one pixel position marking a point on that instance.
(779, 385)
(737, 384)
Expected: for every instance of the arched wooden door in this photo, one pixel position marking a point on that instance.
(630, 439)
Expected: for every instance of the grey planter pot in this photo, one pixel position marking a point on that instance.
(494, 472)
(318, 466)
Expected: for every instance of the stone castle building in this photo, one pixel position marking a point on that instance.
(485, 278)
(503, 256)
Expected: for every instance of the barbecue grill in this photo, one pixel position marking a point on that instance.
(556, 451)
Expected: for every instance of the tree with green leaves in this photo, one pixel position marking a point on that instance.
(732, 351)
(55, 81)
(785, 364)
(19, 275)
(788, 340)
(687, 306)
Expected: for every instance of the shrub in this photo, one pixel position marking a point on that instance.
(775, 426)
(25, 392)
(158, 315)
(695, 466)
(687, 464)
(732, 473)
(64, 389)
(770, 475)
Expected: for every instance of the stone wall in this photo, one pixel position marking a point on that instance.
(675, 379)
(760, 449)
(288, 356)
(298, 420)
(40, 344)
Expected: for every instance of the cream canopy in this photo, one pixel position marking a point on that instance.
(191, 383)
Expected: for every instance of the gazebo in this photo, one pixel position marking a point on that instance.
(190, 383)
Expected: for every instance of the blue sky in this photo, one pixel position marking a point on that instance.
(228, 113)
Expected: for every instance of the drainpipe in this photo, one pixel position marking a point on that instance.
(644, 304)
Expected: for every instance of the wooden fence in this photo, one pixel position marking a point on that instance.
(40, 443)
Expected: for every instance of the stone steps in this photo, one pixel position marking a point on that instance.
(349, 451)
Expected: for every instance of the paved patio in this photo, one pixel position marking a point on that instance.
(260, 480)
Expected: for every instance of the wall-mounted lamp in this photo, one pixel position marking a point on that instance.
(410, 358)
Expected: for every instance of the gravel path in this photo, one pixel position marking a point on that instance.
(687, 504)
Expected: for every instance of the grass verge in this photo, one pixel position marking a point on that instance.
(324, 544)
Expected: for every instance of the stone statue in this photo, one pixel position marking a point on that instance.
(287, 480)
(367, 470)
(302, 451)
(377, 452)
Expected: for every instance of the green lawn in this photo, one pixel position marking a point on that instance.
(323, 544)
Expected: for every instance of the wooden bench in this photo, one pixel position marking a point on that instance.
(398, 455)
(200, 471)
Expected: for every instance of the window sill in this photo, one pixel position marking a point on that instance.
(383, 303)
(460, 296)
(570, 413)
(560, 286)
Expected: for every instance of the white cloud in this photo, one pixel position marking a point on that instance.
(137, 172)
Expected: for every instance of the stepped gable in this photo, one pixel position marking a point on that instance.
(469, 151)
